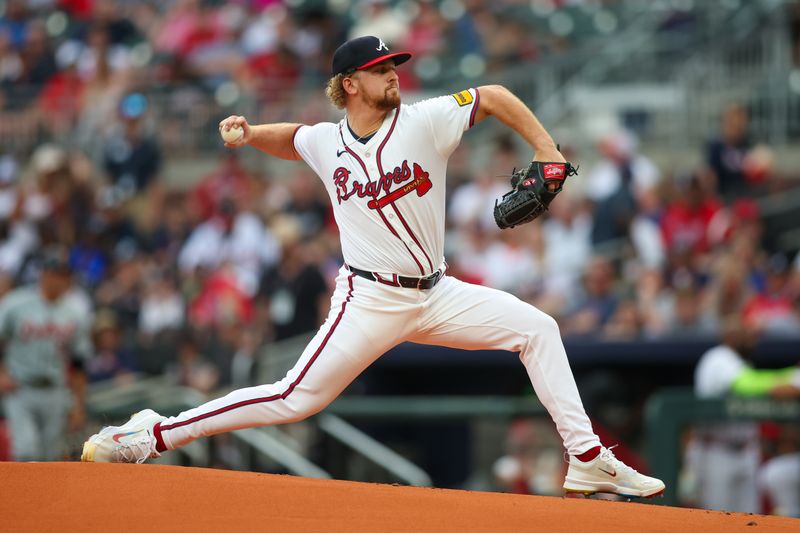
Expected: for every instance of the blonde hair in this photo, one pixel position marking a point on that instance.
(335, 91)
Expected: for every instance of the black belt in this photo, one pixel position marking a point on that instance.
(428, 282)
(40, 383)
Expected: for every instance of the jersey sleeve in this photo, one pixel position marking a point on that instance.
(309, 141)
(449, 117)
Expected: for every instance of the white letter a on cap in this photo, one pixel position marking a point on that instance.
(382, 45)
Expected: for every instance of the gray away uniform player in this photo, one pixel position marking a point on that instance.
(45, 342)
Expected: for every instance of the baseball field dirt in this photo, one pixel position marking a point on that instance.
(61, 497)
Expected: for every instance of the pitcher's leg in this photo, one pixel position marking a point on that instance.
(472, 317)
(338, 353)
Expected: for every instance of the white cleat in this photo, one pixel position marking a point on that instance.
(605, 473)
(133, 442)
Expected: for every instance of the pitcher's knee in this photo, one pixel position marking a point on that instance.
(300, 406)
(542, 324)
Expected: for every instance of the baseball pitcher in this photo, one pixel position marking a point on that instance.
(384, 169)
(45, 343)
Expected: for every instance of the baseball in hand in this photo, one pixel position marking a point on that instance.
(232, 135)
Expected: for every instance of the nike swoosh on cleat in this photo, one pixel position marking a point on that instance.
(118, 436)
(612, 474)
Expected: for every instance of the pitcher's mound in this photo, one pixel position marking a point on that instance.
(92, 497)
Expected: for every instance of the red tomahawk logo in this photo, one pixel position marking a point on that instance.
(421, 184)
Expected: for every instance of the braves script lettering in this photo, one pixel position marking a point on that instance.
(346, 188)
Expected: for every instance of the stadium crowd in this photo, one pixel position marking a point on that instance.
(240, 258)
(190, 280)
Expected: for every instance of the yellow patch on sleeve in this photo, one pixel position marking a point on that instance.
(463, 98)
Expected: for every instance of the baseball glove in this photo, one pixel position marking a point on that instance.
(531, 192)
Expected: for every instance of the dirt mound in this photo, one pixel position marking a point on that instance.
(89, 497)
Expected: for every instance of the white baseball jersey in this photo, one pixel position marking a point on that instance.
(388, 195)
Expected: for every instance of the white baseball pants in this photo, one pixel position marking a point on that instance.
(367, 318)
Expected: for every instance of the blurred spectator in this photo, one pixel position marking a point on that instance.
(379, 17)
(10, 62)
(728, 290)
(308, 203)
(60, 101)
(741, 217)
(220, 301)
(39, 65)
(95, 52)
(111, 360)
(656, 303)
(771, 310)
(162, 306)
(193, 369)
(229, 180)
(14, 22)
(211, 50)
(295, 290)
(645, 230)
(688, 321)
(238, 239)
(88, 258)
(273, 75)
(168, 237)
(472, 202)
(244, 364)
(597, 303)
(18, 236)
(122, 289)
(614, 182)
(726, 154)
(686, 220)
(106, 76)
(779, 476)
(132, 157)
(514, 261)
(113, 18)
(47, 193)
(261, 33)
(176, 26)
(625, 323)
(567, 242)
(424, 35)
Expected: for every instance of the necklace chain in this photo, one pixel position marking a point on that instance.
(371, 132)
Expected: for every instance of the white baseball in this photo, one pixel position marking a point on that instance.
(232, 135)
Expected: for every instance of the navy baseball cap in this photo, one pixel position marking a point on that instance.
(363, 52)
(56, 258)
